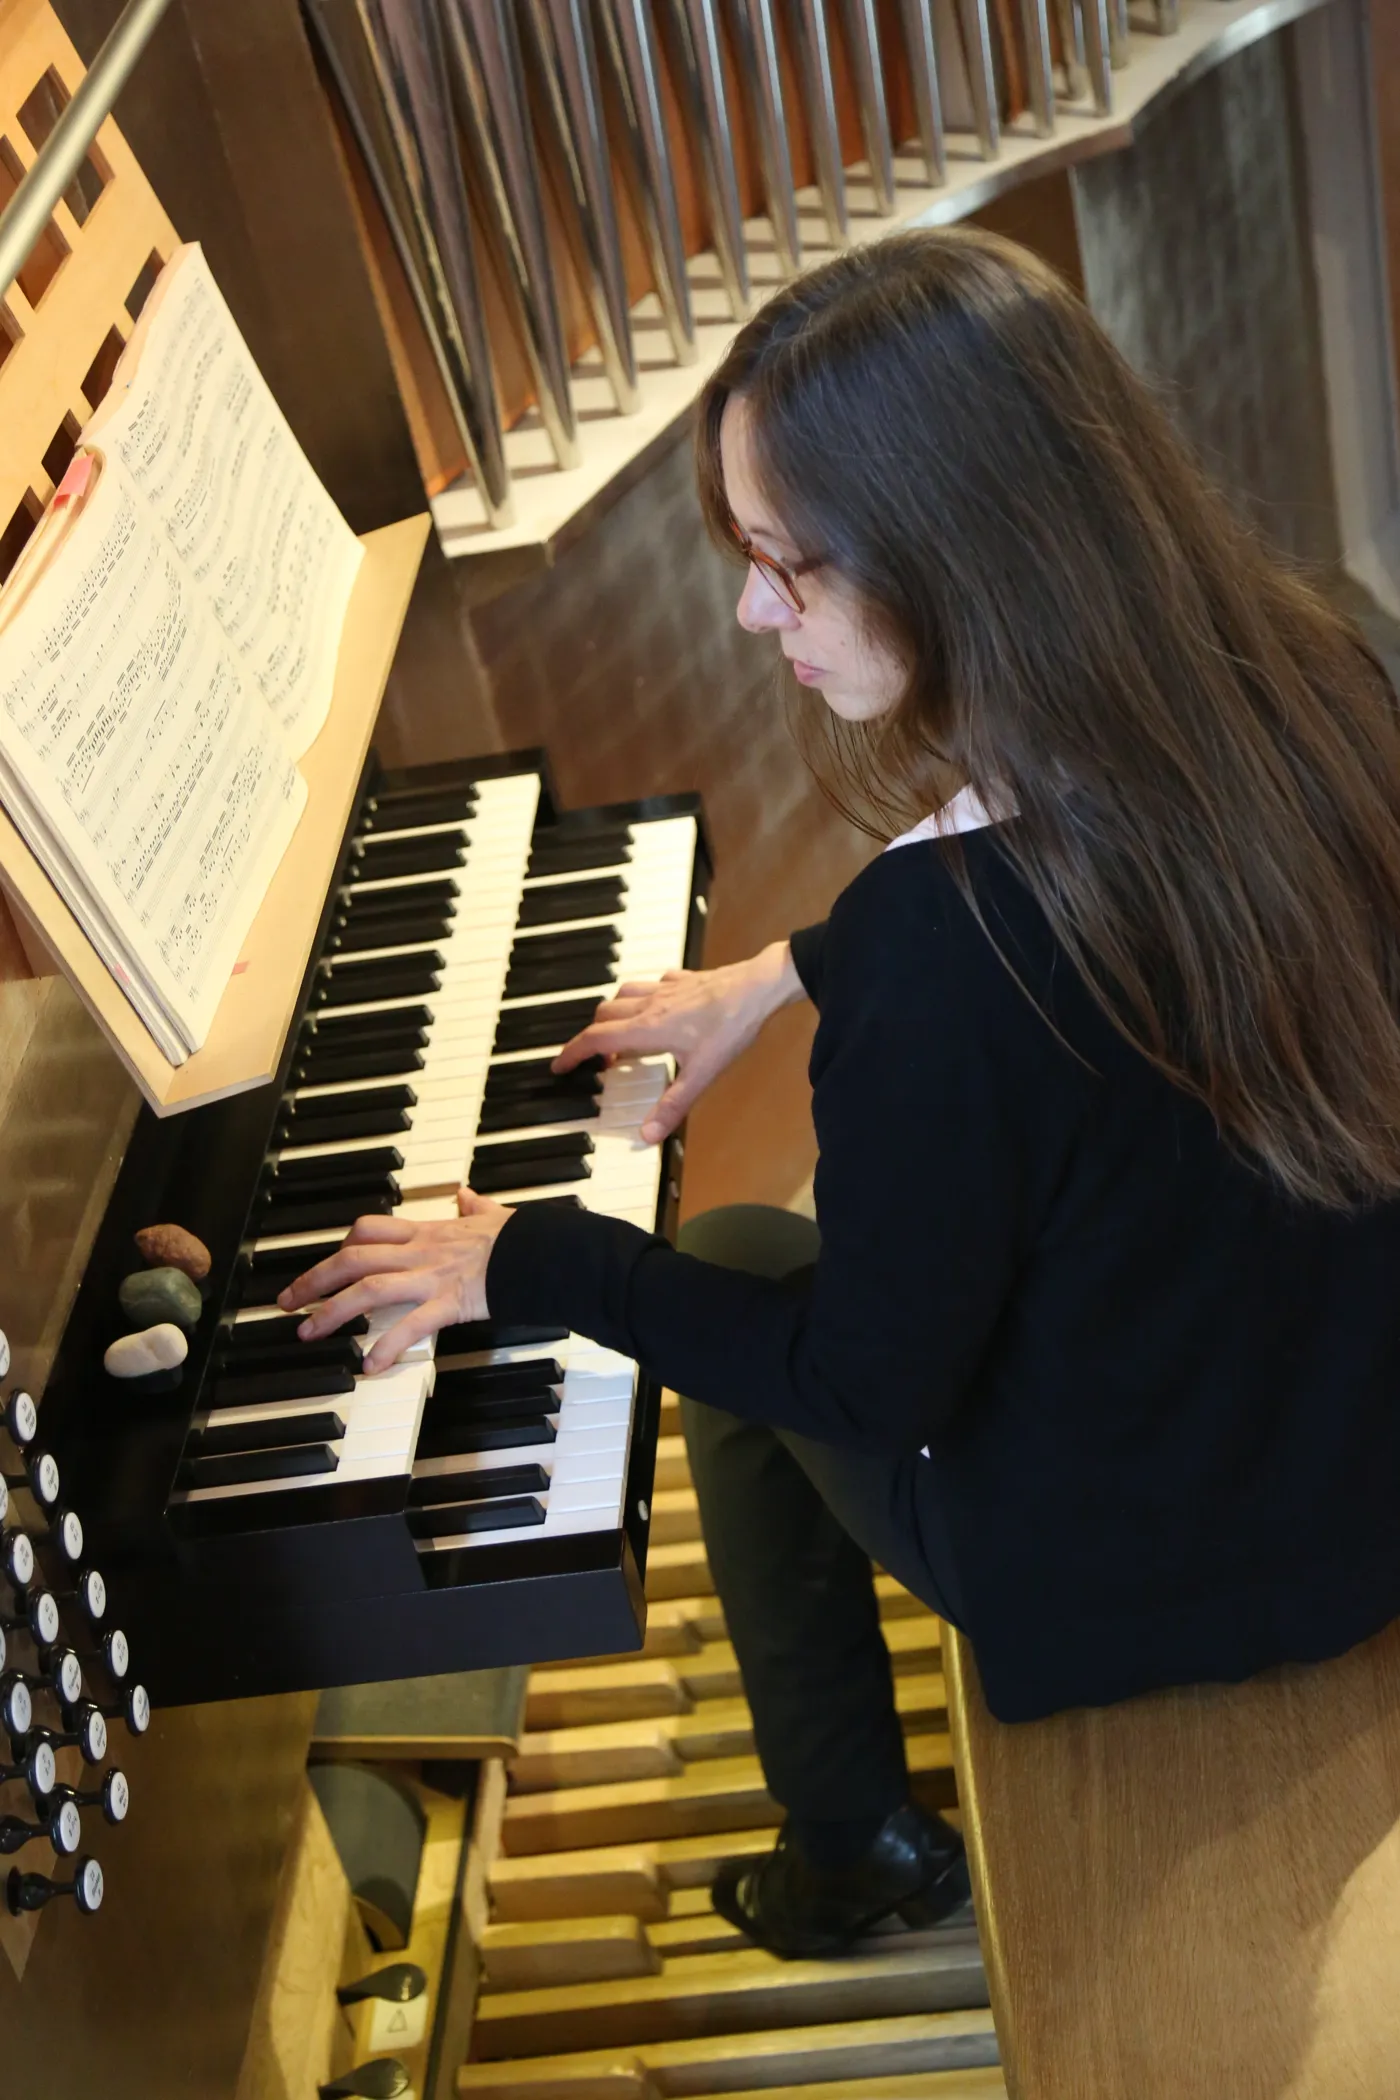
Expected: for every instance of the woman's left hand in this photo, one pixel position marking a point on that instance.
(436, 1271)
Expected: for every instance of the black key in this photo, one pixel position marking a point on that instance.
(380, 863)
(417, 806)
(568, 974)
(336, 1130)
(342, 1211)
(562, 902)
(495, 1381)
(299, 1168)
(346, 1189)
(542, 1027)
(470, 1335)
(452, 1439)
(295, 1260)
(261, 1276)
(383, 969)
(242, 1468)
(478, 1487)
(475, 1516)
(531, 1073)
(383, 1036)
(569, 1144)
(457, 773)
(537, 1108)
(340, 1352)
(604, 847)
(407, 930)
(574, 859)
(354, 1101)
(331, 1069)
(318, 1382)
(354, 907)
(257, 1336)
(265, 1286)
(353, 1031)
(452, 773)
(395, 977)
(542, 1174)
(575, 940)
(274, 1435)
(476, 1413)
(538, 1202)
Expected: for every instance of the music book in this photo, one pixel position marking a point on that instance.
(168, 642)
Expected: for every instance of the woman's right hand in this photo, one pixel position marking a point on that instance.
(703, 1018)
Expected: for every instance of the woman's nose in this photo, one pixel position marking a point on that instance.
(761, 609)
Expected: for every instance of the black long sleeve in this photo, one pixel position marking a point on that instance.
(1159, 1397)
(930, 1176)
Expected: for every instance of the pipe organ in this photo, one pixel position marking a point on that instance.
(581, 193)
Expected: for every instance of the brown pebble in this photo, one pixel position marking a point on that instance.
(171, 1247)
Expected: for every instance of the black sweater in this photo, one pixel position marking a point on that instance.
(1162, 1402)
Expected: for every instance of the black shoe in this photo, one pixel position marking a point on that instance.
(915, 1868)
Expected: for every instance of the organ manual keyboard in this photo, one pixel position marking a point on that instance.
(270, 1518)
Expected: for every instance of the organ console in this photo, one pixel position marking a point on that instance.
(269, 1517)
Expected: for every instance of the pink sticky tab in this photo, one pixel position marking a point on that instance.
(81, 468)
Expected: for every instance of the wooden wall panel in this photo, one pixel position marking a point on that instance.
(1384, 18)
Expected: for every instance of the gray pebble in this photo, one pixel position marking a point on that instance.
(153, 1295)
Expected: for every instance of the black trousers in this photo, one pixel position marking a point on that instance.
(791, 1528)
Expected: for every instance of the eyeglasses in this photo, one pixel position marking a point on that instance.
(781, 575)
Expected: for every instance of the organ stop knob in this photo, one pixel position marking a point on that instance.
(62, 1826)
(383, 2078)
(17, 1558)
(133, 1707)
(21, 1417)
(40, 1476)
(113, 1797)
(38, 1768)
(400, 1983)
(37, 1616)
(32, 1891)
(87, 1733)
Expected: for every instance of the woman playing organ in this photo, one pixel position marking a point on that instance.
(1097, 1327)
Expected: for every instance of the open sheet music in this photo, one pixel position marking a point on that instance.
(190, 421)
(167, 651)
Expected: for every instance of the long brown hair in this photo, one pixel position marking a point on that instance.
(1204, 754)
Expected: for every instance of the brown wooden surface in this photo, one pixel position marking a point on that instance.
(1197, 1894)
(150, 1999)
(298, 2036)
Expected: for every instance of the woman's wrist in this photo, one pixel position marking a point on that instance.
(777, 973)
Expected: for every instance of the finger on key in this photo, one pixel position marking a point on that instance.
(614, 1039)
(338, 1269)
(400, 1287)
(428, 1318)
(380, 1228)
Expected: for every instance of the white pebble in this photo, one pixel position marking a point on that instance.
(153, 1349)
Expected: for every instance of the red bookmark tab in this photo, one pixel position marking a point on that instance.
(81, 468)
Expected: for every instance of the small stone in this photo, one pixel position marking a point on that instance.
(152, 1295)
(154, 1349)
(170, 1246)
